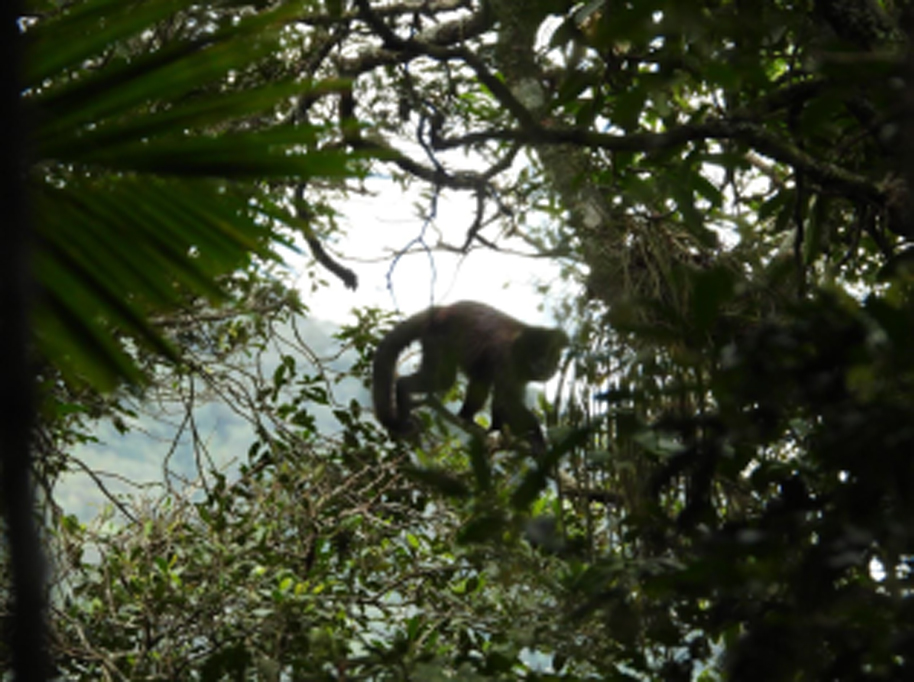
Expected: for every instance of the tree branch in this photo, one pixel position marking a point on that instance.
(736, 127)
(413, 47)
(765, 142)
(348, 277)
(442, 35)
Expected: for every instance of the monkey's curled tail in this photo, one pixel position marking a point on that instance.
(385, 368)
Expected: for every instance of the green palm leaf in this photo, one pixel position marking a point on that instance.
(148, 167)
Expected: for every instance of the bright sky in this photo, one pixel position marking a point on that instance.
(388, 221)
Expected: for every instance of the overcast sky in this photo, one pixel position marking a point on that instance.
(388, 221)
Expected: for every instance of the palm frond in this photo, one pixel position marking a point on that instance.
(147, 168)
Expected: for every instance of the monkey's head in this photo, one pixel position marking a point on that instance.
(539, 351)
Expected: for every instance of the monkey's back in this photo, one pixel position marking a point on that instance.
(478, 336)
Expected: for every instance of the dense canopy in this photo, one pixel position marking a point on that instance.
(725, 186)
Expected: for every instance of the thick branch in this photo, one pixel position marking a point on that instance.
(785, 97)
(425, 7)
(762, 140)
(442, 35)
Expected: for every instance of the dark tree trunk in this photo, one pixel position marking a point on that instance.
(26, 634)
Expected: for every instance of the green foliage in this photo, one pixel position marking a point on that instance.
(318, 557)
(812, 432)
(146, 174)
(727, 494)
(693, 544)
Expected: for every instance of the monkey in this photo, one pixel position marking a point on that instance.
(496, 352)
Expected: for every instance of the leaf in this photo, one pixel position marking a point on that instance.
(482, 468)
(536, 480)
(900, 265)
(91, 27)
(533, 483)
(627, 108)
(817, 229)
(440, 479)
(682, 188)
(705, 188)
(710, 290)
(894, 322)
(483, 528)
